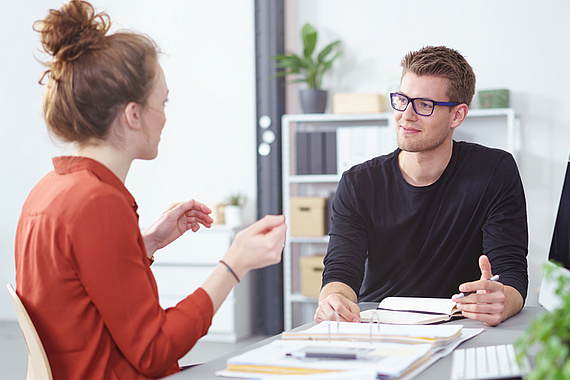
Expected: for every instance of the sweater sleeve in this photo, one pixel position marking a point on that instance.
(111, 261)
(505, 232)
(348, 244)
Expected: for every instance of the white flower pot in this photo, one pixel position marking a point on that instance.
(234, 216)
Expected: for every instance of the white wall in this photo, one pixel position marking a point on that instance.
(208, 145)
(523, 46)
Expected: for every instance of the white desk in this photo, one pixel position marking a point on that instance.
(507, 332)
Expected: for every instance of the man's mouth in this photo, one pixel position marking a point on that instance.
(409, 130)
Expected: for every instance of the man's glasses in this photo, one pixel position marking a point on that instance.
(423, 107)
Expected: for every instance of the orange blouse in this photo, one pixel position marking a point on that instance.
(83, 274)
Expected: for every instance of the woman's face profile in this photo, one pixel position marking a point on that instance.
(153, 115)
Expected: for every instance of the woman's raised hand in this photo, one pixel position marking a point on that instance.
(257, 246)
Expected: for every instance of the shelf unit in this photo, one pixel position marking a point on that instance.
(491, 127)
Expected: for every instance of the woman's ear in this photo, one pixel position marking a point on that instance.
(132, 115)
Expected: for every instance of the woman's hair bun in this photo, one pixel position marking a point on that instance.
(69, 32)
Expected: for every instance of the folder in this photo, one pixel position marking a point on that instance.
(435, 335)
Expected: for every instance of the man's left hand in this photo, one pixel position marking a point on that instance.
(487, 303)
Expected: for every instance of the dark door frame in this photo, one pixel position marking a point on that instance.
(270, 93)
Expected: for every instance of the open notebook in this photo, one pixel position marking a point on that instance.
(412, 311)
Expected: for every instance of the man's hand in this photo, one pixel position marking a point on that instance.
(174, 222)
(335, 298)
(487, 304)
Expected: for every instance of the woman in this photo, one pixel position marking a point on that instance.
(82, 264)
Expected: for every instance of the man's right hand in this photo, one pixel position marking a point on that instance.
(347, 310)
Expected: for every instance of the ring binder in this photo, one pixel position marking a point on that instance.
(334, 312)
(374, 319)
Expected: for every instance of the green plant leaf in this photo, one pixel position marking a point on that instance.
(236, 199)
(284, 56)
(290, 61)
(309, 36)
(549, 333)
(327, 50)
(300, 80)
(310, 71)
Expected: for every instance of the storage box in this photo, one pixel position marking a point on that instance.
(494, 99)
(358, 103)
(311, 275)
(308, 216)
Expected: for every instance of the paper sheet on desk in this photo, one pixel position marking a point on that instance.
(365, 373)
(387, 359)
(437, 335)
(466, 334)
(359, 374)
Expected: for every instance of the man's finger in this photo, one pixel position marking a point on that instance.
(485, 267)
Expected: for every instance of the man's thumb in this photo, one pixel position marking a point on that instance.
(485, 266)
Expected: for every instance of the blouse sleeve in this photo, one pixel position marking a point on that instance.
(114, 269)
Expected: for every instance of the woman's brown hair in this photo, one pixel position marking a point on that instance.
(91, 75)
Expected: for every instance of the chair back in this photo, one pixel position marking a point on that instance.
(38, 365)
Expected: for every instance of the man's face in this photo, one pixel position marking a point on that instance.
(417, 133)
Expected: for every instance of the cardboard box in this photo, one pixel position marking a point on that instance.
(358, 103)
(311, 275)
(308, 216)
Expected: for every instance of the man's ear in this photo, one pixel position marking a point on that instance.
(132, 115)
(459, 115)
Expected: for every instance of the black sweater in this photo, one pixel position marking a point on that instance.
(389, 238)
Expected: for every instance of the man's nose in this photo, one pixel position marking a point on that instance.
(409, 113)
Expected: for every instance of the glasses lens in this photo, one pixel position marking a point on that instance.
(424, 107)
(399, 102)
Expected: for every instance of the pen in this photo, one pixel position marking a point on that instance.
(461, 295)
(331, 353)
(324, 355)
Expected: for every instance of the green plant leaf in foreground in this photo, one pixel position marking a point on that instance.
(549, 334)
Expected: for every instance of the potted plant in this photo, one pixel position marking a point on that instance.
(233, 210)
(549, 333)
(310, 69)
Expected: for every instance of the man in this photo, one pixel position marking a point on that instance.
(434, 217)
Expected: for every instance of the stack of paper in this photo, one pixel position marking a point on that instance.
(343, 350)
(290, 357)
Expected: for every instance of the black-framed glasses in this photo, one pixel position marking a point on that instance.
(422, 106)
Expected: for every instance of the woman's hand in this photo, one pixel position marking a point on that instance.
(174, 222)
(258, 245)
